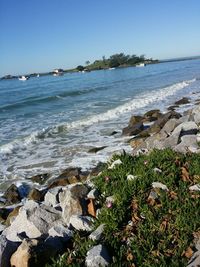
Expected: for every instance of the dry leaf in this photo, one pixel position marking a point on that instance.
(134, 205)
(164, 225)
(185, 174)
(172, 195)
(196, 179)
(135, 218)
(91, 208)
(129, 256)
(151, 201)
(155, 253)
(188, 253)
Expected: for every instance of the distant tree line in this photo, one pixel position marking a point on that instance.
(115, 61)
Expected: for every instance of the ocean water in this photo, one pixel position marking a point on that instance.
(49, 123)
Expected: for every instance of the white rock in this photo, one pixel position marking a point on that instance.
(131, 177)
(60, 231)
(97, 234)
(160, 185)
(195, 187)
(157, 170)
(51, 197)
(33, 220)
(188, 127)
(83, 223)
(93, 194)
(116, 162)
(97, 257)
(70, 200)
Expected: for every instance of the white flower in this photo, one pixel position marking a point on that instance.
(116, 162)
(160, 185)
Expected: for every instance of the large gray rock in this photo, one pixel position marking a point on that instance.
(51, 198)
(171, 141)
(33, 220)
(169, 126)
(72, 201)
(81, 223)
(188, 127)
(60, 231)
(133, 130)
(97, 257)
(7, 248)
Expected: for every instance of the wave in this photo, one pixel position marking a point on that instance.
(140, 101)
(41, 100)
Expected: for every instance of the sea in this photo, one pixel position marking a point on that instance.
(50, 123)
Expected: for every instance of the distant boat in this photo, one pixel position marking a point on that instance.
(23, 78)
(111, 68)
(58, 72)
(38, 75)
(141, 65)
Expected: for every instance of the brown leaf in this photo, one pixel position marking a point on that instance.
(151, 201)
(172, 195)
(134, 205)
(129, 256)
(135, 218)
(164, 225)
(155, 253)
(196, 179)
(188, 253)
(91, 208)
(185, 174)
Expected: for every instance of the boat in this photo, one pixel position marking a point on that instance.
(141, 65)
(58, 72)
(38, 75)
(23, 78)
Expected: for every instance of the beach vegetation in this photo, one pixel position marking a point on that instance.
(145, 226)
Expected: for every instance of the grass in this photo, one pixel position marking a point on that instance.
(142, 231)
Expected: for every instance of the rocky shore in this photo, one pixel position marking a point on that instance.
(40, 223)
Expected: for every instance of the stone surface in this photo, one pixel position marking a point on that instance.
(188, 127)
(12, 195)
(169, 126)
(160, 185)
(12, 215)
(2, 227)
(135, 119)
(33, 220)
(7, 248)
(36, 195)
(51, 198)
(97, 257)
(72, 201)
(69, 176)
(60, 231)
(83, 223)
(153, 115)
(96, 149)
(133, 130)
(195, 259)
(40, 178)
(98, 233)
(93, 194)
(182, 101)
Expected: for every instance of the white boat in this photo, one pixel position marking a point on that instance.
(141, 65)
(38, 75)
(23, 78)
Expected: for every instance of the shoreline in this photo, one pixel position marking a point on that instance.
(72, 198)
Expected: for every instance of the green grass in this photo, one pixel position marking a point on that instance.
(140, 232)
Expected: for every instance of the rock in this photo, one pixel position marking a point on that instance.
(36, 195)
(133, 130)
(2, 227)
(131, 177)
(36, 253)
(93, 194)
(40, 178)
(195, 187)
(160, 185)
(137, 143)
(189, 140)
(12, 215)
(72, 201)
(182, 101)
(81, 223)
(153, 115)
(115, 163)
(135, 119)
(4, 212)
(12, 195)
(51, 198)
(173, 107)
(33, 220)
(158, 125)
(169, 126)
(195, 259)
(98, 233)
(7, 248)
(60, 231)
(69, 176)
(96, 149)
(97, 257)
(113, 133)
(91, 208)
(188, 128)
(171, 141)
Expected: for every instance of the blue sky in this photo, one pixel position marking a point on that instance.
(39, 35)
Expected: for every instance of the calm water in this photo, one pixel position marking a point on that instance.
(49, 123)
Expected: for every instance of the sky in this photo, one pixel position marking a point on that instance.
(40, 35)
